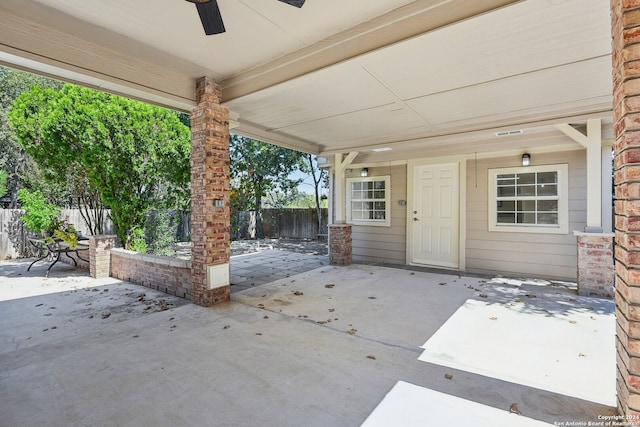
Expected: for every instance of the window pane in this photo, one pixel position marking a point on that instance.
(547, 206)
(547, 190)
(506, 206)
(526, 205)
(379, 215)
(379, 185)
(379, 206)
(526, 218)
(548, 178)
(548, 218)
(506, 191)
(506, 218)
(378, 194)
(526, 178)
(508, 179)
(527, 190)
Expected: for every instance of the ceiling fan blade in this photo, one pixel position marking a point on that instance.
(296, 3)
(210, 17)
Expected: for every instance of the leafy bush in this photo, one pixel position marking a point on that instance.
(39, 215)
(136, 241)
(161, 230)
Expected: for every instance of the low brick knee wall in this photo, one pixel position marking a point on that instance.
(166, 274)
(81, 263)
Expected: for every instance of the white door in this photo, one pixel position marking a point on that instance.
(435, 219)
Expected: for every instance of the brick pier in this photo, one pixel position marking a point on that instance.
(340, 244)
(210, 210)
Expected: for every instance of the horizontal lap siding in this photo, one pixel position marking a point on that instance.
(537, 255)
(384, 244)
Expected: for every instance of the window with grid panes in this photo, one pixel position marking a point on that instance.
(528, 198)
(368, 200)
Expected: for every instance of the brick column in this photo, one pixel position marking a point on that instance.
(596, 272)
(340, 244)
(625, 15)
(100, 255)
(210, 215)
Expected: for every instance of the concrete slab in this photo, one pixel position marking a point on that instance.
(319, 348)
(410, 405)
(557, 343)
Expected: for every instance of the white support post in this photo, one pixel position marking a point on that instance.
(592, 141)
(340, 185)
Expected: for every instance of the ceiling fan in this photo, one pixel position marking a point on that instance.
(211, 18)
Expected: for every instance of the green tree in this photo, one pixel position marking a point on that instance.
(40, 215)
(3, 183)
(258, 168)
(309, 165)
(21, 170)
(136, 156)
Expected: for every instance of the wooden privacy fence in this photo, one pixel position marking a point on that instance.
(280, 223)
(277, 223)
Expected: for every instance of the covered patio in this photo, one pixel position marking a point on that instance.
(371, 82)
(324, 347)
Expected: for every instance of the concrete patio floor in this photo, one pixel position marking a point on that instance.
(324, 347)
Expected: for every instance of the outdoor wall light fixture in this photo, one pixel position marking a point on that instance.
(526, 159)
(364, 172)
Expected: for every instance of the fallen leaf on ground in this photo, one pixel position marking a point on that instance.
(448, 376)
(483, 296)
(514, 409)
(226, 326)
(105, 315)
(493, 318)
(371, 356)
(331, 310)
(329, 286)
(298, 293)
(352, 331)
(582, 355)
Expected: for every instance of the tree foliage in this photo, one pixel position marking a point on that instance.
(309, 165)
(3, 183)
(134, 155)
(21, 170)
(258, 168)
(40, 215)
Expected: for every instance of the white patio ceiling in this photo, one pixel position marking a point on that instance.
(422, 77)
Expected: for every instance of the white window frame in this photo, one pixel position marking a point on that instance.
(387, 199)
(563, 200)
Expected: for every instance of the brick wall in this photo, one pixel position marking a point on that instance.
(340, 245)
(169, 275)
(596, 272)
(625, 22)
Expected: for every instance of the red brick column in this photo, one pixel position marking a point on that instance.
(210, 215)
(340, 244)
(100, 255)
(596, 272)
(625, 16)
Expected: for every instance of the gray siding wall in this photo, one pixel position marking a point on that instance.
(524, 254)
(384, 244)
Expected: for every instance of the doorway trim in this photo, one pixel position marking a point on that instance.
(462, 207)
